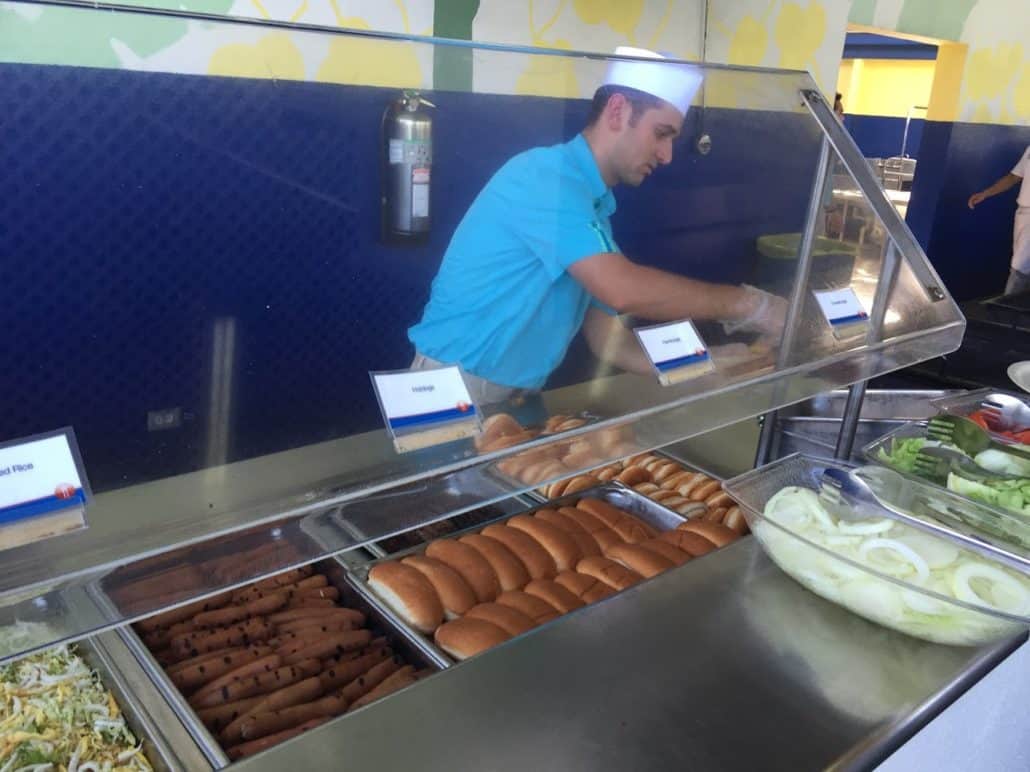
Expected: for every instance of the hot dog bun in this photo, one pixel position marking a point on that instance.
(454, 592)
(472, 566)
(410, 594)
(466, 637)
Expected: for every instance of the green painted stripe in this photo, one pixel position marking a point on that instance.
(452, 67)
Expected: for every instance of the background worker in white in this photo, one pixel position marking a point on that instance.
(535, 259)
(1019, 274)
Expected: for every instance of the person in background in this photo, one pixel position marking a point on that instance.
(838, 107)
(534, 260)
(1019, 274)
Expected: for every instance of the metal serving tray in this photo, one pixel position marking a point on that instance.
(813, 426)
(616, 494)
(145, 713)
(453, 502)
(410, 646)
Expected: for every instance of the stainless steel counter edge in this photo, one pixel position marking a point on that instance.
(140, 696)
(724, 663)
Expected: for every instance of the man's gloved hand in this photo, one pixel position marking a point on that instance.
(765, 314)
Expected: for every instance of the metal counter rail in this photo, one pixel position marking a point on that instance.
(724, 663)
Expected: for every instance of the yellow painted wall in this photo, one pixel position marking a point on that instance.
(887, 87)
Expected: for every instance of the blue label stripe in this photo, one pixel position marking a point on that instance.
(41, 506)
(849, 319)
(675, 364)
(440, 416)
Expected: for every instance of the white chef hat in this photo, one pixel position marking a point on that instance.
(675, 83)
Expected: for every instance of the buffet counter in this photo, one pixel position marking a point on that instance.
(726, 663)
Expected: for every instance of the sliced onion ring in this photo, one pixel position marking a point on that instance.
(965, 592)
(908, 554)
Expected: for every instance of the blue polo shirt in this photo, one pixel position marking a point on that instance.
(503, 303)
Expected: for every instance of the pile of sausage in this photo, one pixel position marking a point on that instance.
(271, 660)
(691, 494)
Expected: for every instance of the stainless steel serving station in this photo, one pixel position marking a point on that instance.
(722, 663)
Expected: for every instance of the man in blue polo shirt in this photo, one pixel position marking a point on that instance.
(534, 259)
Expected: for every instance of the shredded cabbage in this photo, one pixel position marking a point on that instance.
(924, 564)
(56, 714)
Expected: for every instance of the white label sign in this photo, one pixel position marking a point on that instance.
(841, 307)
(676, 351)
(39, 476)
(427, 402)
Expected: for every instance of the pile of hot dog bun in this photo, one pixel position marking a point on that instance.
(271, 660)
(657, 477)
(476, 591)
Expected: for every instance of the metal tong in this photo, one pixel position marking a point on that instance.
(852, 498)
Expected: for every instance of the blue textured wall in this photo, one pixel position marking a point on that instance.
(879, 136)
(137, 209)
(970, 249)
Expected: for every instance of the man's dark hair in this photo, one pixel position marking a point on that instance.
(640, 102)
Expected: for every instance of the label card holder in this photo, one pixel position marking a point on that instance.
(843, 311)
(676, 351)
(43, 488)
(422, 408)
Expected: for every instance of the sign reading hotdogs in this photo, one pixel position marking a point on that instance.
(43, 490)
(425, 407)
(676, 351)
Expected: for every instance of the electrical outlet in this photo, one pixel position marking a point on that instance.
(166, 418)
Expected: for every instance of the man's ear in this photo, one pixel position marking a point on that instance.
(617, 112)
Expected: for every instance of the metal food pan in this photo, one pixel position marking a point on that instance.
(616, 494)
(340, 525)
(964, 404)
(408, 645)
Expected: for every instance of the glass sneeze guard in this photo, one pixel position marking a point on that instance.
(225, 229)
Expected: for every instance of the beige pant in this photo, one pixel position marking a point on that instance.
(482, 391)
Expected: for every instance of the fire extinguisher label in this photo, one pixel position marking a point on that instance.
(420, 175)
(396, 151)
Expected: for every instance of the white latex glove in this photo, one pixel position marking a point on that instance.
(767, 315)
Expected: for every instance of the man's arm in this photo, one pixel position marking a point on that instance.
(1008, 181)
(611, 342)
(653, 294)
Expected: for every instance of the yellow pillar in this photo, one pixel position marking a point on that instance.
(947, 82)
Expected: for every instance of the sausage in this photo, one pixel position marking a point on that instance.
(375, 643)
(182, 613)
(313, 631)
(219, 717)
(158, 639)
(303, 691)
(256, 746)
(258, 683)
(312, 584)
(286, 577)
(324, 614)
(327, 646)
(365, 683)
(338, 675)
(396, 681)
(310, 625)
(203, 671)
(303, 602)
(178, 666)
(273, 721)
(262, 665)
(231, 614)
(243, 634)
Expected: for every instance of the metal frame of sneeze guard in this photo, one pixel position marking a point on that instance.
(899, 237)
(300, 505)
